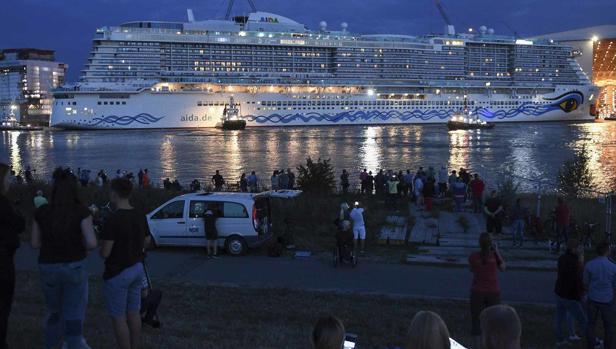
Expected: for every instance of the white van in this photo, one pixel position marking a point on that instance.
(244, 219)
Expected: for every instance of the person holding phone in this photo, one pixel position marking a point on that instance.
(485, 291)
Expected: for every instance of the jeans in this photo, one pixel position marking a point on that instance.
(606, 311)
(494, 224)
(518, 231)
(574, 309)
(480, 301)
(7, 289)
(477, 204)
(65, 287)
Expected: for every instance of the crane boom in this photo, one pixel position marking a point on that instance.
(230, 7)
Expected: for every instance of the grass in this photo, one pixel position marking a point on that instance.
(199, 316)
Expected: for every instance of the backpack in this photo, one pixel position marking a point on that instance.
(150, 302)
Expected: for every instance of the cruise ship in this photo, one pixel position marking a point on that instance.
(277, 72)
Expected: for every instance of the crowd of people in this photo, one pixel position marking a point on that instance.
(500, 327)
(63, 232)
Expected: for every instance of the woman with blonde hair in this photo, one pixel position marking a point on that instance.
(328, 333)
(428, 331)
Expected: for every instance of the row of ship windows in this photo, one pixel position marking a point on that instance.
(99, 103)
(333, 104)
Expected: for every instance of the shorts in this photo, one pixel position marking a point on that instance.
(122, 292)
(359, 233)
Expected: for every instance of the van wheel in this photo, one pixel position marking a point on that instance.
(235, 245)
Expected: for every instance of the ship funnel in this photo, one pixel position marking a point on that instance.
(191, 16)
(450, 30)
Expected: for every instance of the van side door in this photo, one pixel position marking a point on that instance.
(168, 223)
(233, 219)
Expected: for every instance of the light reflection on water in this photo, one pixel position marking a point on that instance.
(530, 150)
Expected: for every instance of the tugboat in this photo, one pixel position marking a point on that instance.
(9, 123)
(460, 121)
(230, 119)
(463, 121)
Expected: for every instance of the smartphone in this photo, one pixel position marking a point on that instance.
(455, 345)
(350, 340)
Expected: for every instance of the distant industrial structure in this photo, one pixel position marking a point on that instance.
(27, 77)
(595, 50)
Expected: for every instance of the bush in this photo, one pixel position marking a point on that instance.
(316, 177)
(575, 177)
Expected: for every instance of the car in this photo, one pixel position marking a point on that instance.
(244, 219)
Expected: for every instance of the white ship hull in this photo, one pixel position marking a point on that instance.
(152, 110)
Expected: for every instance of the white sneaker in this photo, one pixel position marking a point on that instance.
(574, 338)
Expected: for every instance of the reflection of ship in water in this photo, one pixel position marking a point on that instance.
(231, 118)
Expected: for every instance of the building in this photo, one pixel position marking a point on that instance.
(595, 50)
(27, 77)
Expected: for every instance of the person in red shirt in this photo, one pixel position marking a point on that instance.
(562, 217)
(477, 187)
(146, 179)
(485, 290)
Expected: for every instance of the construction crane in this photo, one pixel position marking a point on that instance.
(230, 7)
(449, 28)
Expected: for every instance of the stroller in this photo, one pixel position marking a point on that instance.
(344, 251)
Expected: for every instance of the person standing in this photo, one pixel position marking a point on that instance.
(569, 290)
(64, 233)
(519, 215)
(418, 190)
(211, 233)
(477, 187)
(442, 181)
(363, 176)
(140, 178)
(243, 183)
(452, 180)
(494, 211)
(459, 193)
(370, 183)
(485, 290)
(392, 192)
(253, 181)
(274, 181)
(218, 181)
(408, 181)
(283, 180)
(359, 227)
(123, 240)
(600, 281)
(379, 183)
(146, 179)
(291, 178)
(39, 200)
(11, 225)
(562, 217)
(344, 182)
(428, 194)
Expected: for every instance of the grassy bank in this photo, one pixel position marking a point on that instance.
(197, 316)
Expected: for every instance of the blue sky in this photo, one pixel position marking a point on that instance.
(67, 26)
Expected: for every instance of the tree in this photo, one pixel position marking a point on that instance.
(316, 177)
(575, 176)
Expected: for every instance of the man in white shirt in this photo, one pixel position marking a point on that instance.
(359, 228)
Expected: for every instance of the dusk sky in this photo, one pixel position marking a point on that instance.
(67, 26)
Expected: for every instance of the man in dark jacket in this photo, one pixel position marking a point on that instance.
(11, 225)
(569, 290)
